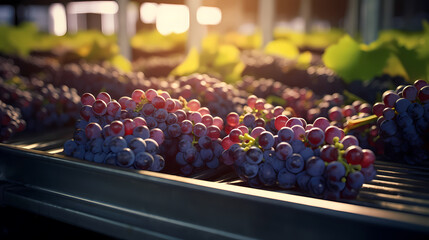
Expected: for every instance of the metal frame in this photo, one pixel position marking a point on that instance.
(130, 204)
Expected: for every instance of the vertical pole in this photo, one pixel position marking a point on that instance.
(388, 9)
(196, 31)
(352, 17)
(122, 33)
(305, 12)
(266, 16)
(370, 22)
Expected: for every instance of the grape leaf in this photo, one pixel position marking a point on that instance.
(227, 54)
(189, 65)
(352, 61)
(121, 63)
(304, 60)
(283, 48)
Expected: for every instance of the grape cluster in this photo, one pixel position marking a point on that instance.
(370, 90)
(316, 158)
(42, 105)
(221, 98)
(157, 66)
(111, 132)
(403, 122)
(11, 121)
(176, 129)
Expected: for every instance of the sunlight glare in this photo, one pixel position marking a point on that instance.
(57, 13)
(209, 15)
(172, 18)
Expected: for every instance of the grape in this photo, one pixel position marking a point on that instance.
(256, 132)
(410, 92)
(117, 143)
(315, 136)
(314, 166)
(368, 158)
(266, 140)
(125, 157)
(69, 147)
(299, 132)
(254, 155)
(104, 96)
(302, 180)
(286, 179)
(354, 155)
(143, 160)
(266, 174)
(187, 127)
(331, 132)
(158, 163)
(329, 153)
(293, 122)
(355, 180)
(283, 150)
(138, 95)
(87, 99)
(286, 134)
(200, 130)
(316, 185)
(295, 163)
(137, 145)
(157, 135)
(389, 98)
(335, 171)
(321, 123)
(93, 130)
(232, 119)
(280, 121)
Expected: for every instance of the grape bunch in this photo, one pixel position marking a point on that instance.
(176, 129)
(110, 132)
(42, 105)
(315, 158)
(221, 98)
(403, 122)
(11, 121)
(257, 113)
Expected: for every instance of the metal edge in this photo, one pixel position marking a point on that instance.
(297, 209)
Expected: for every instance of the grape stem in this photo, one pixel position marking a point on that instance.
(352, 124)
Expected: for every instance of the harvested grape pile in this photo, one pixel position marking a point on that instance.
(265, 132)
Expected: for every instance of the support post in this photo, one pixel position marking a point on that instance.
(370, 22)
(266, 16)
(122, 33)
(305, 13)
(196, 31)
(352, 17)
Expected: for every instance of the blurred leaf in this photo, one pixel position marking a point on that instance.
(236, 74)
(304, 60)
(283, 48)
(276, 100)
(394, 67)
(189, 65)
(415, 66)
(351, 61)
(226, 55)
(209, 48)
(153, 41)
(121, 63)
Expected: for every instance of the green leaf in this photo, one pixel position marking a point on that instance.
(304, 60)
(189, 65)
(415, 66)
(226, 55)
(283, 48)
(352, 61)
(121, 63)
